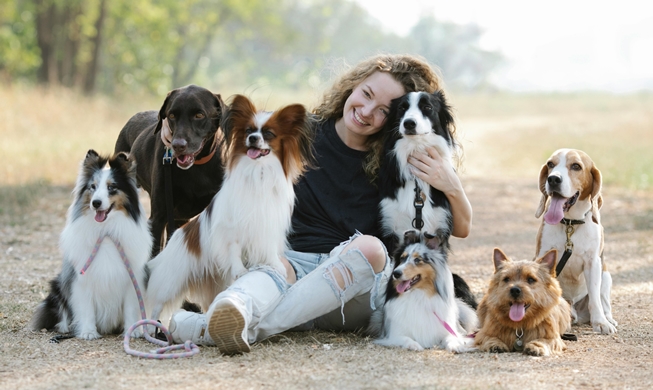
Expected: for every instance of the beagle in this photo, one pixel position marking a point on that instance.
(571, 198)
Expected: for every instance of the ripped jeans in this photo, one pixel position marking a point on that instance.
(316, 300)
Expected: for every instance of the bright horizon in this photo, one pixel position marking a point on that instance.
(560, 46)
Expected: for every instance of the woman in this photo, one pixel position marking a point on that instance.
(337, 267)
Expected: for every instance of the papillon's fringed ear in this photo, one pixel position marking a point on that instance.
(544, 173)
(596, 198)
(549, 261)
(499, 258)
(163, 111)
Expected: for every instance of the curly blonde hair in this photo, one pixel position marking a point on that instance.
(412, 72)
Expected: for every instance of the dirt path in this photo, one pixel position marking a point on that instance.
(503, 216)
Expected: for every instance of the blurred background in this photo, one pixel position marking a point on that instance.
(524, 78)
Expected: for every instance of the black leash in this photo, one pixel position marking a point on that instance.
(167, 178)
(569, 245)
(418, 222)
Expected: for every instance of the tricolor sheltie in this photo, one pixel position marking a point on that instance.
(416, 121)
(247, 221)
(421, 310)
(102, 300)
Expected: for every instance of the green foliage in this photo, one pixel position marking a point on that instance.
(157, 45)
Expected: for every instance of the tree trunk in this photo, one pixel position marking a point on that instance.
(45, 20)
(96, 42)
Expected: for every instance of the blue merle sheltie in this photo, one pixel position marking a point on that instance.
(421, 309)
(102, 299)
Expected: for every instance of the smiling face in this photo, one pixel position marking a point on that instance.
(367, 107)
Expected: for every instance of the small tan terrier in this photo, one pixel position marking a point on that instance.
(523, 310)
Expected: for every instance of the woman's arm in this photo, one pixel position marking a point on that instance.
(440, 175)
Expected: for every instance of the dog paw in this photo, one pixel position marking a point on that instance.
(603, 327)
(536, 349)
(137, 333)
(612, 321)
(413, 346)
(89, 335)
(497, 349)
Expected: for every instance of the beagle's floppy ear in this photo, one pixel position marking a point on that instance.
(544, 173)
(596, 198)
(163, 112)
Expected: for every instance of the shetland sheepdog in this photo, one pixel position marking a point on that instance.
(247, 221)
(102, 300)
(416, 121)
(421, 310)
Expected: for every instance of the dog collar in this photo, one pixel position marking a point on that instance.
(567, 221)
(209, 156)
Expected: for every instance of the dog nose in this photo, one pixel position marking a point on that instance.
(179, 145)
(252, 139)
(554, 179)
(96, 203)
(410, 125)
(515, 292)
(397, 274)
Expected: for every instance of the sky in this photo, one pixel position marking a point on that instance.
(555, 45)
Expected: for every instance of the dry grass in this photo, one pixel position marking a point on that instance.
(513, 135)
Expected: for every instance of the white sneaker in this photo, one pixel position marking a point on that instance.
(186, 325)
(228, 327)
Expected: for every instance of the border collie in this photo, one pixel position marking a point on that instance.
(102, 299)
(247, 221)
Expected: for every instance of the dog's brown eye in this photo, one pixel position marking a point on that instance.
(268, 135)
(428, 108)
(530, 280)
(171, 116)
(199, 115)
(506, 279)
(576, 167)
(550, 165)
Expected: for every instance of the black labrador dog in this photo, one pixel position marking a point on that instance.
(194, 115)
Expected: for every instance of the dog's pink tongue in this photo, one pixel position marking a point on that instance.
(100, 216)
(555, 214)
(253, 152)
(403, 286)
(517, 312)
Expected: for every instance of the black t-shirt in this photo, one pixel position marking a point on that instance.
(335, 199)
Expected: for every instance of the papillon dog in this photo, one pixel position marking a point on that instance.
(247, 221)
(420, 309)
(102, 299)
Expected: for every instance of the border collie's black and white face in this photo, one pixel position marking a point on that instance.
(419, 113)
(106, 185)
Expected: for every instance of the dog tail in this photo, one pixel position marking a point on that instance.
(463, 292)
(50, 312)
(467, 317)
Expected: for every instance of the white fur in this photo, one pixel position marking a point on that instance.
(104, 298)
(582, 277)
(248, 224)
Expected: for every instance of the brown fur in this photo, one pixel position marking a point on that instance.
(192, 237)
(547, 315)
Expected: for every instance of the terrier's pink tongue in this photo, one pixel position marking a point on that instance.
(100, 216)
(555, 214)
(403, 286)
(517, 311)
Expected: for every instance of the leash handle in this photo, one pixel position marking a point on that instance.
(190, 348)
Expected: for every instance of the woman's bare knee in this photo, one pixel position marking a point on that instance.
(372, 249)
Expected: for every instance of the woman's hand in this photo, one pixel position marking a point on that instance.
(439, 173)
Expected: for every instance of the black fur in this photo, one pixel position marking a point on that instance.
(193, 188)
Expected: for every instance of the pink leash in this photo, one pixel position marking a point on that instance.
(160, 353)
